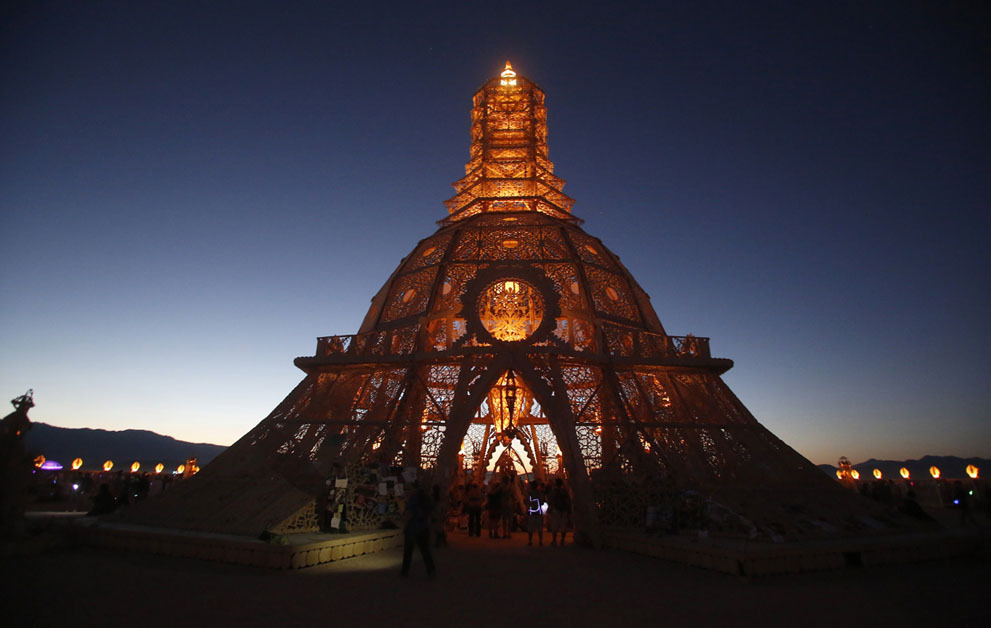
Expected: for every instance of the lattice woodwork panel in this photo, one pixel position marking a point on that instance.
(582, 384)
(733, 410)
(591, 250)
(456, 279)
(410, 294)
(546, 443)
(620, 341)
(691, 388)
(430, 444)
(659, 404)
(509, 244)
(567, 285)
(590, 444)
(517, 220)
(611, 294)
(431, 251)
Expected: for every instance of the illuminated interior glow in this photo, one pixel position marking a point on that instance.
(511, 310)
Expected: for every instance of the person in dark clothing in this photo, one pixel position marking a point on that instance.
(473, 507)
(494, 507)
(417, 529)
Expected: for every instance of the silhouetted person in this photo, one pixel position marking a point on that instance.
(104, 503)
(494, 507)
(560, 511)
(535, 512)
(417, 529)
(473, 508)
(15, 467)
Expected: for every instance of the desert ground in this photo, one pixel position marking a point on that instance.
(480, 582)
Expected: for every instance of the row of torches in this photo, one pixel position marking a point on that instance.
(972, 472)
(109, 464)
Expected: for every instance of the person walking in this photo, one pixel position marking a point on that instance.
(416, 531)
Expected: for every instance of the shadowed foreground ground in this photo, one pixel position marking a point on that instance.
(481, 582)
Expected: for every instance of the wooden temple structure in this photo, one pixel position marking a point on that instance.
(512, 339)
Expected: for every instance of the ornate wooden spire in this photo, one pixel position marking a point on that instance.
(509, 170)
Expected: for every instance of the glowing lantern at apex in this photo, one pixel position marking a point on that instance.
(159, 467)
(877, 474)
(508, 76)
(903, 472)
(78, 462)
(135, 467)
(108, 465)
(40, 460)
(934, 471)
(972, 471)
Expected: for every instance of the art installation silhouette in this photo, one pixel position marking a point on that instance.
(512, 339)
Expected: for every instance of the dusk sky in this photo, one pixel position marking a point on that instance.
(193, 192)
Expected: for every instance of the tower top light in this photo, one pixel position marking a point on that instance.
(508, 76)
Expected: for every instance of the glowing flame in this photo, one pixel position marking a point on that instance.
(972, 471)
(135, 466)
(181, 469)
(855, 474)
(877, 474)
(159, 467)
(903, 472)
(508, 76)
(108, 465)
(839, 474)
(934, 471)
(78, 462)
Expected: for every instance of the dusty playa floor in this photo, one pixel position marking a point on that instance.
(480, 583)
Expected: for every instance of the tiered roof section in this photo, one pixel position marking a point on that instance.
(509, 170)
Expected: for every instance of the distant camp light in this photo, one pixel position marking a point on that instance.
(51, 465)
(877, 474)
(934, 471)
(159, 467)
(78, 462)
(972, 471)
(903, 472)
(108, 465)
(135, 467)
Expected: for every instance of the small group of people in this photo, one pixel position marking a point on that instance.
(504, 505)
(554, 503)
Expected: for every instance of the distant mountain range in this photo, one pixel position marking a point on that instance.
(64, 445)
(949, 467)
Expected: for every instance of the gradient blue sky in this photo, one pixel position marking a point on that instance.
(192, 192)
